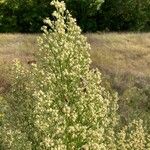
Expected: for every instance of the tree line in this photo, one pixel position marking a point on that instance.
(91, 15)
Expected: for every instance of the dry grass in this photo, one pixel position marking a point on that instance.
(121, 53)
(118, 55)
(124, 58)
(14, 46)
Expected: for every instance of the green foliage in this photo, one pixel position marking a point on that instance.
(132, 137)
(59, 102)
(114, 15)
(24, 15)
(85, 12)
(120, 15)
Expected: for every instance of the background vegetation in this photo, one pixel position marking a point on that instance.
(112, 15)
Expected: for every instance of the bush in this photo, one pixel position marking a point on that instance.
(59, 103)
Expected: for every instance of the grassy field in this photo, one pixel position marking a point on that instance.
(123, 58)
(12, 46)
(123, 53)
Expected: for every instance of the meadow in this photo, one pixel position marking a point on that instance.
(123, 59)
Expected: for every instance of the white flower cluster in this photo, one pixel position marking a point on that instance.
(59, 103)
(132, 137)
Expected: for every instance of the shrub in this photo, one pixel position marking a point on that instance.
(132, 137)
(59, 103)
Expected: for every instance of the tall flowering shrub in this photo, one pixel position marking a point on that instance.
(59, 103)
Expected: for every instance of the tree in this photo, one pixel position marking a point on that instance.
(24, 15)
(124, 15)
(85, 12)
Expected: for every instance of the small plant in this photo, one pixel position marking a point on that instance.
(58, 103)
